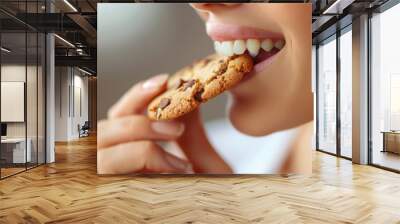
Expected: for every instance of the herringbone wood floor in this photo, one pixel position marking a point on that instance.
(69, 191)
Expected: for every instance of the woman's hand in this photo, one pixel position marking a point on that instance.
(126, 140)
(194, 143)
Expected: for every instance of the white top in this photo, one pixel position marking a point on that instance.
(246, 154)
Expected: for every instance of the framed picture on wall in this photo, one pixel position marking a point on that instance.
(12, 101)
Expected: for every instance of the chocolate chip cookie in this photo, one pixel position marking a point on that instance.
(197, 83)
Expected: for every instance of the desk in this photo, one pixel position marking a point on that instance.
(391, 141)
(13, 150)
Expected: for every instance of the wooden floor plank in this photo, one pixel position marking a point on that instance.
(69, 191)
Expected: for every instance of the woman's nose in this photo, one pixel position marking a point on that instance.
(211, 6)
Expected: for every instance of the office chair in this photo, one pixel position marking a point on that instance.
(84, 130)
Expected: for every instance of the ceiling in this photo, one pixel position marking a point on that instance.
(329, 16)
(76, 22)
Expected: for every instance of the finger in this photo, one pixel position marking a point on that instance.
(140, 156)
(198, 149)
(134, 128)
(139, 96)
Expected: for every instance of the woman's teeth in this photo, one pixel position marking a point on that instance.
(239, 47)
(267, 45)
(253, 46)
(279, 44)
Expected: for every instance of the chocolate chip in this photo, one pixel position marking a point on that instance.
(197, 96)
(164, 103)
(188, 84)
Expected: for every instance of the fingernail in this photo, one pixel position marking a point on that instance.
(155, 82)
(168, 127)
(178, 164)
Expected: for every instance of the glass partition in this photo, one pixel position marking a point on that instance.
(14, 153)
(22, 88)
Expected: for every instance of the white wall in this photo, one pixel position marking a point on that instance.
(62, 81)
(70, 83)
(82, 83)
(79, 117)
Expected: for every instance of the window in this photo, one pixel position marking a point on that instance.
(385, 89)
(327, 95)
(346, 93)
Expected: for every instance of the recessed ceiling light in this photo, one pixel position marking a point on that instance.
(337, 7)
(70, 5)
(84, 71)
(65, 41)
(5, 50)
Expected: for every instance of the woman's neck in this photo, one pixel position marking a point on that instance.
(299, 159)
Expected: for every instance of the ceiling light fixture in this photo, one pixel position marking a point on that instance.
(337, 7)
(70, 5)
(65, 41)
(5, 50)
(84, 71)
(79, 51)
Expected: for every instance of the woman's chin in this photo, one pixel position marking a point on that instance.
(242, 121)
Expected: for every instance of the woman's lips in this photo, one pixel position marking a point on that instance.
(260, 63)
(231, 40)
(263, 60)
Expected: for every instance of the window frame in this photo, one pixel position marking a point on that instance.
(334, 37)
